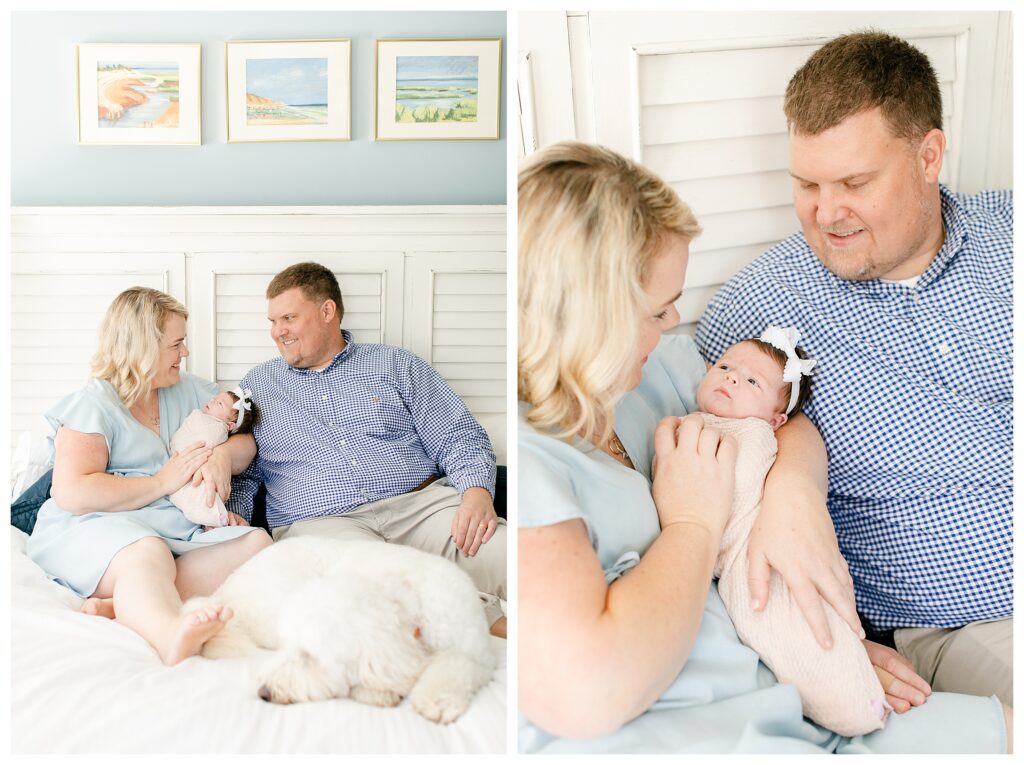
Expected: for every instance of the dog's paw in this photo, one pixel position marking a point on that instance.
(440, 704)
(374, 696)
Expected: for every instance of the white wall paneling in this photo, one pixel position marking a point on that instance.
(697, 97)
(431, 279)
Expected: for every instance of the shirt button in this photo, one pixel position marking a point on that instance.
(343, 441)
(943, 349)
(323, 398)
(353, 463)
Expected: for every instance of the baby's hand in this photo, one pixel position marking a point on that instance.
(903, 687)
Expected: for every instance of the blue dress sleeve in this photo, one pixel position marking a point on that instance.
(93, 409)
(546, 494)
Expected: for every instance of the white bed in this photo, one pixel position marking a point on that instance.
(86, 684)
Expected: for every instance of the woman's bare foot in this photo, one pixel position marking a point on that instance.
(192, 630)
(99, 607)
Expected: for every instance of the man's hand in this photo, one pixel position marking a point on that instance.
(903, 687)
(475, 521)
(794, 534)
(216, 474)
(799, 542)
(234, 519)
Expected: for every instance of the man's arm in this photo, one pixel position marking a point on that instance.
(460, 447)
(231, 457)
(794, 533)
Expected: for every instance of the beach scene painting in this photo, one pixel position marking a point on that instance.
(137, 94)
(436, 88)
(286, 91)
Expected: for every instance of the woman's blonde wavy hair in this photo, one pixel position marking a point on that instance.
(129, 342)
(590, 224)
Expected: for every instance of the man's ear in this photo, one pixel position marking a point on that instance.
(328, 311)
(778, 421)
(930, 154)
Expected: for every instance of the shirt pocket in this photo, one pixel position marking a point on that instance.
(381, 410)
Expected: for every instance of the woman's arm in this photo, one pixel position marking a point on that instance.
(230, 458)
(82, 485)
(794, 533)
(594, 656)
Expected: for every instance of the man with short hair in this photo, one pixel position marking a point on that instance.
(903, 292)
(361, 441)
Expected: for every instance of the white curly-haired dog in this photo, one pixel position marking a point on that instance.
(372, 621)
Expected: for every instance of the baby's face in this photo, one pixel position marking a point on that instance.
(745, 382)
(222, 406)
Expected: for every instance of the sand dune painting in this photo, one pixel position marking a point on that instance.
(286, 91)
(436, 88)
(137, 94)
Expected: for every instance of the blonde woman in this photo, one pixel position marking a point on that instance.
(109, 532)
(624, 643)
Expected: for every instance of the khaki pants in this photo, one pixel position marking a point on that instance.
(976, 659)
(420, 519)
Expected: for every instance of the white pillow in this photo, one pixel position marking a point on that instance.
(31, 458)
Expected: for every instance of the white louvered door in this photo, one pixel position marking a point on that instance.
(456, 321)
(57, 303)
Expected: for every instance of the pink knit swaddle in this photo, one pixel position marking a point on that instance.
(191, 500)
(838, 688)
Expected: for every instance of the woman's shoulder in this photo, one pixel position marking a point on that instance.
(551, 470)
(93, 408)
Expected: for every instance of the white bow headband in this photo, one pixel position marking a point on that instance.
(243, 404)
(785, 339)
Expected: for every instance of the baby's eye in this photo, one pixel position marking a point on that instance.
(662, 315)
(753, 382)
(724, 367)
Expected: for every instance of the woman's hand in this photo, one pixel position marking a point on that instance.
(216, 474)
(903, 687)
(182, 465)
(694, 473)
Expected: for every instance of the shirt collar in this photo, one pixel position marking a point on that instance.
(338, 357)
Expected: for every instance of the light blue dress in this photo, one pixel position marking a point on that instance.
(75, 550)
(725, 699)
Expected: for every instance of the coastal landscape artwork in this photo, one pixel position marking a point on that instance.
(139, 93)
(438, 90)
(288, 90)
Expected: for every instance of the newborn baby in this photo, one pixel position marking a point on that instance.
(749, 393)
(226, 413)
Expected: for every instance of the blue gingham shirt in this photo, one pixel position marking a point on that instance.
(377, 422)
(913, 397)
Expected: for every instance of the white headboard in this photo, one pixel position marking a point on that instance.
(430, 279)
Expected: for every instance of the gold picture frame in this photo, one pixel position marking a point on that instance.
(288, 90)
(438, 89)
(139, 94)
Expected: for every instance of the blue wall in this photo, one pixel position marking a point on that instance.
(48, 167)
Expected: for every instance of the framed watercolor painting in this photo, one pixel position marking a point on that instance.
(289, 90)
(438, 90)
(139, 94)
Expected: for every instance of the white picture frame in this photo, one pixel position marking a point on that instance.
(465, 105)
(288, 90)
(139, 93)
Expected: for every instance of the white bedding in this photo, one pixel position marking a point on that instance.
(86, 684)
